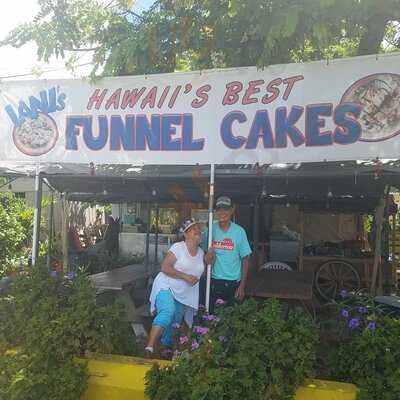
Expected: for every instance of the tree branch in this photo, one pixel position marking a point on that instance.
(108, 5)
(134, 14)
(84, 49)
(374, 34)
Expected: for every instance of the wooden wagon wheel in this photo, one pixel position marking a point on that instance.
(334, 276)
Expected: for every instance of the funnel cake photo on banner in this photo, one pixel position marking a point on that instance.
(379, 95)
(36, 136)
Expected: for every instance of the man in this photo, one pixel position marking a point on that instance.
(229, 255)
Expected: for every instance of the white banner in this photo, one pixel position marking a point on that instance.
(340, 110)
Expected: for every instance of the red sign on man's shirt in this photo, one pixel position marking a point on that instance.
(226, 244)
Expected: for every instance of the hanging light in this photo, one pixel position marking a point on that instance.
(377, 169)
(329, 196)
(91, 169)
(154, 192)
(264, 190)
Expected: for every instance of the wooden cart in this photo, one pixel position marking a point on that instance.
(334, 274)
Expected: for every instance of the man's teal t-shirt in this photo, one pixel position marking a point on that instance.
(230, 247)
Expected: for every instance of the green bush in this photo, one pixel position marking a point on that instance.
(15, 229)
(34, 377)
(368, 353)
(250, 351)
(50, 321)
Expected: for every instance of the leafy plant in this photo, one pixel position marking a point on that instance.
(368, 352)
(15, 219)
(247, 351)
(49, 321)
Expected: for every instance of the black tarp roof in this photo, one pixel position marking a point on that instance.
(354, 185)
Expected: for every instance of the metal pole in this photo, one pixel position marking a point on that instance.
(394, 258)
(156, 236)
(301, 244)
(148, 235)
(379, 215)
(51, 219)
(37, 217)
(210, 224)
(65, 232)
(256, 230)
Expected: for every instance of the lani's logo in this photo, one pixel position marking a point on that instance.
(35, 132)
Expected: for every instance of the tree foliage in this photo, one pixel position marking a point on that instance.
(16, 224)
(191, 34)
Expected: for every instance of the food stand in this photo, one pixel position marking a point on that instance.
(290, 134)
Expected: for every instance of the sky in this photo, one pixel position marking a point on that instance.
(24, 60)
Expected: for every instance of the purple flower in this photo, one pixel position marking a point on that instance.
(354, 323)
(183, 339)
(362, 310)
(195, 344)
(53, 274)
(344, 293)
(201, 330)
(209, 317)
(222, 339)
(166, 352)
(345, 313)
(175, 325)
(204, 331)
(202, 307)
(220, 302)
(71, 275)
(371, 326)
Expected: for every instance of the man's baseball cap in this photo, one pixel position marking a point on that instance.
(223, 202)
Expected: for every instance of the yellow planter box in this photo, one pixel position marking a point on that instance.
(117, 378)
(326, 390)
(122, 378)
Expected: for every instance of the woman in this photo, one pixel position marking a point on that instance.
(175, 292)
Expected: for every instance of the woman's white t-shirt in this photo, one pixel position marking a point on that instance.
(181, 290)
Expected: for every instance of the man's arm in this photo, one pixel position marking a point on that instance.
(245, 270)
(244, 252)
